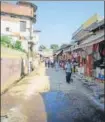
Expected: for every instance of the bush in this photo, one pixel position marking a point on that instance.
(6, 41)
(17, 45)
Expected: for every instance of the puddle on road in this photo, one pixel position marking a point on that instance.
(72, 107)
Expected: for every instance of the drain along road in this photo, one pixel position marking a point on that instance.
(46, 97)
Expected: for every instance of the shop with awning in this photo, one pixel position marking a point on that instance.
(87, 53)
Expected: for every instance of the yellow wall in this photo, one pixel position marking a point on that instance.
(91, 20)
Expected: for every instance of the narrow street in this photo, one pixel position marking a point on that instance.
(46, 97)
(52, 61)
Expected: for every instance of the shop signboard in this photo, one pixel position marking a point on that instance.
(91, 20)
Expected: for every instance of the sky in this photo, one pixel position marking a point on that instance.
(57, 20)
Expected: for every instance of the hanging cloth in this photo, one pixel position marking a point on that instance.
(103, 52)
(95, 47)
(101, 48)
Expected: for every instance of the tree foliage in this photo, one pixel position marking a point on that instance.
(6, 41)
(17, 45)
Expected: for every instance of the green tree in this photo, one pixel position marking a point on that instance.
(54, 47)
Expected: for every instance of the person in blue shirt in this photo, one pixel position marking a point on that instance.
(68, 69)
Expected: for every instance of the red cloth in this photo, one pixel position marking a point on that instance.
(103, 52)
(95, 47)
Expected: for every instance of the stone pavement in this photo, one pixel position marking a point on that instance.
(57, 81)
(40, 97)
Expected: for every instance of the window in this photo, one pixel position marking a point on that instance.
(7, 29)
(23, 26)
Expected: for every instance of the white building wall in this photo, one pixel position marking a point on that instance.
(15, 28)
(24, 44)
(36, 40)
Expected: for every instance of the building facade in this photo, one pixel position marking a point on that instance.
(90, 49)
(17, 21)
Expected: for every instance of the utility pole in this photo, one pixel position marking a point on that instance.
(29, 46)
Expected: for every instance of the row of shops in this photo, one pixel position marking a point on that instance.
(88, 51)
(92, 60)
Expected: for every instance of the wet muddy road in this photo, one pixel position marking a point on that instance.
(72, 107)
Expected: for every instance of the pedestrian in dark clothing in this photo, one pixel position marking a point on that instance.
(68, 69)
(74, 66)
(49, 63)
(46, 62)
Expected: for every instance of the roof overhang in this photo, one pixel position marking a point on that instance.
(82, 32)
(66, 50)
(89, 43)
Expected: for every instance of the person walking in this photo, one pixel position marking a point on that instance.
(74, 66)
(49, 62)
(63, 65)
(68, 69)
(56, 66)
(46, 62)
(52, 63)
